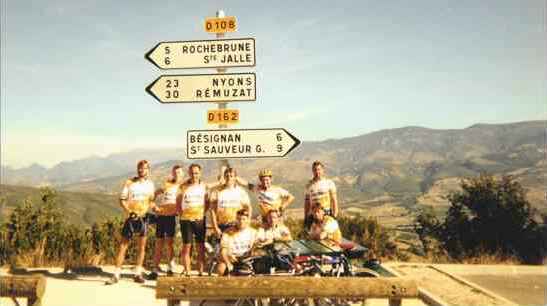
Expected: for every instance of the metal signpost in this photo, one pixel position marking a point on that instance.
(218, 88)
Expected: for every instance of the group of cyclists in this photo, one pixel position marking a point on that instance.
(227, 204)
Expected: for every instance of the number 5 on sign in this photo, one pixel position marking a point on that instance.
(224, 116)
(220, 25)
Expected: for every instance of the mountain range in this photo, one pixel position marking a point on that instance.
(408, 167)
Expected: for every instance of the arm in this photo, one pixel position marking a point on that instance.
(179, 204)
(286, 201)
(213, 208)
(307, 204)
(123, 197)
(244, 183)
(333, 203)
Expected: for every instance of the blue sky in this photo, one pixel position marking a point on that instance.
(74, 73)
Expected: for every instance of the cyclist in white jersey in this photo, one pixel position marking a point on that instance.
(322, 191)
(166, 220)
(136, 198)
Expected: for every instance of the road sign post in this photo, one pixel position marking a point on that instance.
(195, 88)
(239, 143)
(214, 53)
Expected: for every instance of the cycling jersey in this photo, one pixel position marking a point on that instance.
(193, 201)
(330, 227)
(319, 192)
(138, 195)
(229, 201)
(238, 242)
(168, 206)
(270, 199)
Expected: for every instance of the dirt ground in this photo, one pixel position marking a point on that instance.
(83, 289)
(508, 284)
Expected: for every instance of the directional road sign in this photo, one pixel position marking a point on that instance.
(203, 54)
(220, 25)
(223, 116)
(194, 88)
(244, 143)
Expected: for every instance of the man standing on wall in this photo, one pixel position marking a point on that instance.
(136, 198)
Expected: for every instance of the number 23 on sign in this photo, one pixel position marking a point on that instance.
(226, 116)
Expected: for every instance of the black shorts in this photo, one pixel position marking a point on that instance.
(165, 226)
(135, 226)
(191, 229)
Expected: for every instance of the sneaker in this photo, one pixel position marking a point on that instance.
(153, 275)
(138, 279)
(113, 280)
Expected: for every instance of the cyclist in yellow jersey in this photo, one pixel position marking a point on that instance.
(322, 191)
(270, 197)
(166, 219)
(226, 200)
(136, 198)
(324, 227)
(192, 202)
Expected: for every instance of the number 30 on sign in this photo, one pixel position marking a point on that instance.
(225, 116)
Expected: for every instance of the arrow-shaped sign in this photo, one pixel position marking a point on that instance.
(243, 143)
(190, 88)
(203, 54)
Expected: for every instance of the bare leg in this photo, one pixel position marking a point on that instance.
(121, 252)
(157, 252)
(185, 254)
(140, 255)
(201, 257)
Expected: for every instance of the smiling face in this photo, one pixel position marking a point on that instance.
(177, 173)
(266, 181)
(230, 177)
(243, 219)
(143, 170)
(194, 173)
(318, 213)
(318, 171)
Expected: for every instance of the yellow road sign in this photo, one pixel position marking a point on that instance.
(190, 88)
(216, 53)
(220, 25)
(223, 116)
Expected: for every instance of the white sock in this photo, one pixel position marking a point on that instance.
(138, 270)
(171, 265)
(117, 272)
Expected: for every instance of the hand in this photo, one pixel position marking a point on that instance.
(218, 232)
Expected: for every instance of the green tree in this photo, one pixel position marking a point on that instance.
(488, 216)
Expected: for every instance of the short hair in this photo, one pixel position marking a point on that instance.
(229, 170)
(176, 167)
(194, 166)
(243, 212)
(317, 163)
(142, 163)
